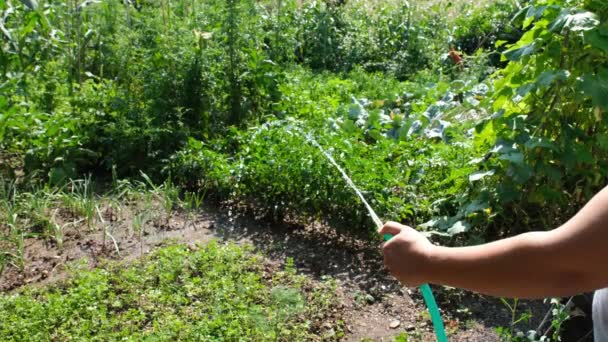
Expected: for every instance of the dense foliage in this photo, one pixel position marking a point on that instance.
(548, 130)
(473, 122)
(222, 97)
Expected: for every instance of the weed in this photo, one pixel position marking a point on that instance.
(167, 193)
(401, 337)
(138, 225)
(219, 288)
(510, 332)
(15, 238)
(57, 230)
(80, 199)
(170, 198)
(192, 203)
(37, 208)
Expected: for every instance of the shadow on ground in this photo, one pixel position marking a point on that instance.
(373, 305)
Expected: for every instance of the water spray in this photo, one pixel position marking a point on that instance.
(427, 293)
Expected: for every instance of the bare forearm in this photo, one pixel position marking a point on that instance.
(520, 266)
(567, 260)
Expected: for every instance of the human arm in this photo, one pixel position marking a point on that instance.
(568, 260)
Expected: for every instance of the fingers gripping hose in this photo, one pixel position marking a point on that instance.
(431, 304)
(427, 294)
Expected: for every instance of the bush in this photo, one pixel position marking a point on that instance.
(547, 138)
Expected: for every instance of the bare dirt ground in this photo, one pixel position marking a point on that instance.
(372, 306)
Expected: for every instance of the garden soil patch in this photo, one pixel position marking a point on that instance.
(372, 305)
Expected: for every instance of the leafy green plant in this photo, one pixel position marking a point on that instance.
(510, 334)
(138, 222)
(192, 203)
(559, 314)
(56, 230)
(482, 26)
(15, 239)
(81, 200)
(216, 292)
(547, 135)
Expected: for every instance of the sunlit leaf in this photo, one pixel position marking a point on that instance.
(535, 142)
(459, 227)
(547, 77)
(515, 158)
(475, 206)
(596, 87)
(31, 4)
(475, 176)
(516, 54)
(578, 21)
(597, 38)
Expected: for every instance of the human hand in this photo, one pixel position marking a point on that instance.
(407, 254)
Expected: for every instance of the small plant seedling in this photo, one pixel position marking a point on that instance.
(16, 238)
(80, 199)
(192, 204)
(401, 337)
(170, 198)
(138, 224)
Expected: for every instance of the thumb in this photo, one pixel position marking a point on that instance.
(391, 228)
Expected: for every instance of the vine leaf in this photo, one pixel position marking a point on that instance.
(31, 4)
(517, 53)
(475, 176)
(578, 21)
(459, 227)
(598, 38)
(548, 77)
(596, 87)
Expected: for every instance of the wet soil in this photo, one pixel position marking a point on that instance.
(372, 305)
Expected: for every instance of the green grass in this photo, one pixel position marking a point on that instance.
(217, 293)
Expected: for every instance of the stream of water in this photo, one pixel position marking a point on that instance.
(427, 293)
(349, 181)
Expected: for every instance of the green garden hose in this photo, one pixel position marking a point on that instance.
(427, 294)
(431, 304)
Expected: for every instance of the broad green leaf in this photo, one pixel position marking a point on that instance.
(503, 147)
(579, 21)
(31, 4)
(457, 85)
(428, 224)
(525, 89)
(597, 39)
(500, 43)
(583, 155)
(349, 126)
(535, 12)
(517, 53)
(354, 111)
(568, 158)
(596, 87)
(459, 227)
(434, 222)
(521, 14)
(521, 173)
(551, 171)
(602, 141)
(515, 157)
(547, 78)
(536, 197)
(540, 142)
(475, 206)
(507, 192)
